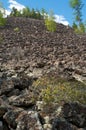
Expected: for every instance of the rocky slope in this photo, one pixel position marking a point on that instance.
(28, 51)
(27, 44)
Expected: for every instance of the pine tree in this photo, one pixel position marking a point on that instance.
(50, 22)
(26, 12)
(77, 5)
(15, 12)
(2, 13)
(78, 25)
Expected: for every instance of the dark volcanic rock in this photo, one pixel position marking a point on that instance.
(25, 101)
(10, 117)
(75, 114)
(6, 86)
(33, 50)
(26, 55)
(22, 82)
(27, 121)
(58, 124)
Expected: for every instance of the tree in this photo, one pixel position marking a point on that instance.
(15, 12)
(38, 14)
(50, 22)
(77, 5)
(78, 25)
(82, 28)
(33, 13)
(2, 13)
(43, 13)
(26, 12)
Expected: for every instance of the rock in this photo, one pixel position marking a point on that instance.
(40, 47)
(28, 120)
(6, 86)
(39, 105)
(14, 92)
(59, 124)
(22, 82)
(25, 100)
(75, 113)
(29, 54)
(1, 125)
(47, 125)
(10, 117)
(3, 110)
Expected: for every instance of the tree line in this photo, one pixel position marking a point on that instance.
(78, 25)
(27, 12)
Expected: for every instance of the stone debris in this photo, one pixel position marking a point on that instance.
(25, 56)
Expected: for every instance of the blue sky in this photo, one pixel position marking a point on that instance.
(61, 8)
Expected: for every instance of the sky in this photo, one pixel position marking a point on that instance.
(63, 12)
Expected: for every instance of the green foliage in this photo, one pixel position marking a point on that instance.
(50, 23)
(79, 29)
(2, 13)
(15, 12)
(77, 5)
(78, 26)
(26, 12)
(43, 13)
(16, 29)
(54, 90)
(82, 27)
(2, 20)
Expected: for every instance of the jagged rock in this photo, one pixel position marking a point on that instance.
(6, 86)
(59, 124)
(41, 47)
(3, 110)
(25, 56)
(10, 117)
(1, 125)
(22, 82)
(26, 100)
(14, 92)
(75, 113)
(62, 124)
(47, 125)
(28, 120)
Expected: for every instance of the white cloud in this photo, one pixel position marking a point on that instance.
(15, 4)
(7, 12)
(61, 19)
(18, 6)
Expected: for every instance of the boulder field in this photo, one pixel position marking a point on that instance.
(27, 52)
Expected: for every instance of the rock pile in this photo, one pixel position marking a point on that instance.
(27, 51)
(27, 46)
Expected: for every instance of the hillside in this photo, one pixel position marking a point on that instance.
(42, 77)
(31, 45)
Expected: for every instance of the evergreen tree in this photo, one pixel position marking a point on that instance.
(43, 13)
(2, 13)
(50, 22)
(38, 14)
(26, 12)
(78, 25)
(77, 5)
(33, 13)
(15, 12)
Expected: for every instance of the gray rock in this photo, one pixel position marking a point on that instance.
(28, 121)
(75, 113)
(1, 125)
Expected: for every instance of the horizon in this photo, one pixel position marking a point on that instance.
(62, 15)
